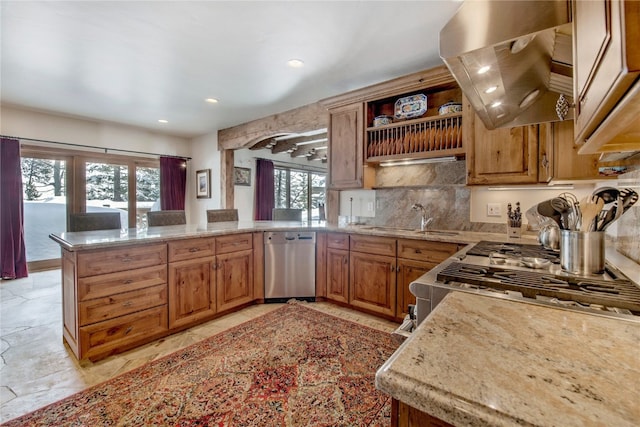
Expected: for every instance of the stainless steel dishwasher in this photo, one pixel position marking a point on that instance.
(289, 265)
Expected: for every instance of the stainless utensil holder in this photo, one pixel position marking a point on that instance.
(582, 252)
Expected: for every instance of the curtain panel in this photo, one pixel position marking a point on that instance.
(173, 183)
(12, 251)
(265, 187)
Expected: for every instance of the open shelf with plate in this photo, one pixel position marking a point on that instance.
(417, 130)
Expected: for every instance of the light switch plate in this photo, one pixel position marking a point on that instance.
(493, 209)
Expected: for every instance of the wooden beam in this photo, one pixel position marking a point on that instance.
(304, 149)
(318, 155)
(303, 119)
(263, 144)
(284, 145)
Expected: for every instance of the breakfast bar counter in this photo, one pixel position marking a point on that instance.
(481, 360)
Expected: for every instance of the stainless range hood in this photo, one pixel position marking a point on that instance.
(512, 59)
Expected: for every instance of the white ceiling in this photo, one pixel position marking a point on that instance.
(135, 62)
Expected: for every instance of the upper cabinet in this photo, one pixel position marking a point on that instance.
(414, 127)
(606, 70)
(345, 148)
(500, 156)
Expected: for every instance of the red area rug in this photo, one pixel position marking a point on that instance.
(292, 367)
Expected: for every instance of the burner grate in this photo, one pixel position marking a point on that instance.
(610, 293)
(484, 248)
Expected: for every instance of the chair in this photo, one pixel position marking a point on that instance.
(160, 218)
(94, 221)
(286, 214)
(221, 215)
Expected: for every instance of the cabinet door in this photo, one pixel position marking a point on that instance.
(562, 154)
(608, 63)
(502, 156)
(408, 271)
(191, 291)
(346, 133)
(372, 282)
(338, 275)
(234, 278)
(403, 415)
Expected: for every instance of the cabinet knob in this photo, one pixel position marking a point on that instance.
(127, 282)
(193, 250)
(418, 251)
(127, 304)
(129, 329)
(126, 259)
(346, 260)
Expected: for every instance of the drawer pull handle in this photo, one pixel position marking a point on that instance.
(127, 304)
(128, 282)
(193, 250)
(127, 259)
(129, 329)
(418, 251)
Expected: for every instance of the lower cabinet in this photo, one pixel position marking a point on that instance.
(338, 275)
(118, 298)
(415, 258)
(372, 274)
(234, 279)
(403, 415)
(191, 291)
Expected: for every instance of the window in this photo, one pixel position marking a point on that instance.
(300, 189)
(57, 182)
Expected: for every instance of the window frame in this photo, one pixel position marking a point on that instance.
(301, 169)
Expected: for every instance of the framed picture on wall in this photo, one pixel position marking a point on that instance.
(242, 176)
(203, 184)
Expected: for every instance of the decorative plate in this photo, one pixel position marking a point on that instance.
(410, 107)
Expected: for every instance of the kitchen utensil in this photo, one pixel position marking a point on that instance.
(607, 194)
(546, 209)
(590, 207)
(629, 198)
(582, 253)
(549, 236)
(609, 217)
(535, 220)
(563, 208)
(533, 262)
(573, 216)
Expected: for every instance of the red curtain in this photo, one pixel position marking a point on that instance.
(265, 197)
(12, 251)
(173, 183)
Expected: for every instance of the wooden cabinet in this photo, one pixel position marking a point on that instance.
(338, 275)
(337, 267)
(346, 163)
(114, 299)
(209, 275)
(500, 156)
(606, 68)
(559, 158)
(234, 279)
(118, 298)
(372, 274)
(415, 258)
(403, 415)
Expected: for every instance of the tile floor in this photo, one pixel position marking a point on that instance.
(37, 369)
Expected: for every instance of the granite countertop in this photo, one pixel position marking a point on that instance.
(480, 360)
(74, 241)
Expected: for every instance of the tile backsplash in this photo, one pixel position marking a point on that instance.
(628, 227)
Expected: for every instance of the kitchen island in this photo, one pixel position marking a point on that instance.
(487, 361)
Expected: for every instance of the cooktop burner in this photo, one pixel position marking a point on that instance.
(485, 248)
(610, 293)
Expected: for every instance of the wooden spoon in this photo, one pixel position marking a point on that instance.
(590, 210)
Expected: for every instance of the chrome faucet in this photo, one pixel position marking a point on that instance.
(425, 221)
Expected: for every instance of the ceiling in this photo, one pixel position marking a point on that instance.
(135, 62)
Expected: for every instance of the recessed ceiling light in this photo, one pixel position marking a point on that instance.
(484, 69)
(496, 104)
(491, 89)
(211, 100)
(295, 63)
(163, 121)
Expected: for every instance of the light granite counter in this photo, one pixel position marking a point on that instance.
(480, 361)
(74, 241)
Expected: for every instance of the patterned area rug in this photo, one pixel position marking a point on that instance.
(294, 366)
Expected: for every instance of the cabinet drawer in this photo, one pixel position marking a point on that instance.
(338, 240)
(234, 243)
(121, 259)
(116, 305)
(191, 249)
(373, 245)
(113, 336)
(123, 281)
(422, 250)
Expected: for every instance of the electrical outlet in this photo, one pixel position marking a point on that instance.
(493, 209)
(370, 207)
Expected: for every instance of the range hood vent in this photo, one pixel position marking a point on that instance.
(512, 59)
